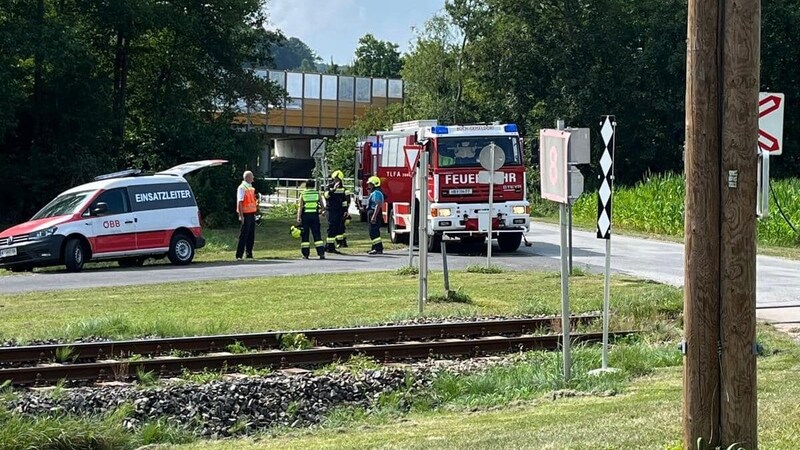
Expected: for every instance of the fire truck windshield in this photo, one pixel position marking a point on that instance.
(464, 151)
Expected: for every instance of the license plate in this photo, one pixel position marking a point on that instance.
(8, 252)
(460, 191)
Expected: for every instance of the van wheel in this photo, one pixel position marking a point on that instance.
(132, 262)
(181, 249)
(74, 255)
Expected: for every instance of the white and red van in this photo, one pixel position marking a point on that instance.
(124, 216)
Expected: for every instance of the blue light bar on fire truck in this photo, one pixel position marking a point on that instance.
(510, 128)
(440, 129)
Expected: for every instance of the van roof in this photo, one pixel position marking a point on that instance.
(171, 175)
(126, 181)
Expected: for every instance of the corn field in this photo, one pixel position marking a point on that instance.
(656, 205)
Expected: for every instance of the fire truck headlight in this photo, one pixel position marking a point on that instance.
(444, 212)
(518, 210)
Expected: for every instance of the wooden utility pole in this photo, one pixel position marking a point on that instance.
(722, 84)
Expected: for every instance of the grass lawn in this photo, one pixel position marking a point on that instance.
(274, 242)
(313, 301)
(646, 415)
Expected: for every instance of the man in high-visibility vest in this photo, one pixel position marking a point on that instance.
(337, 198)
(308, 217)
(246, 207)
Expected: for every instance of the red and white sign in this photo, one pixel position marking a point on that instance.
(412, 156)
(770, 122)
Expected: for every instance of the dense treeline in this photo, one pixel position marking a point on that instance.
(93, 87)
(533, 61)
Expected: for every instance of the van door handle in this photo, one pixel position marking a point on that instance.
(128, 221)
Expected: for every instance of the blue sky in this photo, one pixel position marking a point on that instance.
(332, 27)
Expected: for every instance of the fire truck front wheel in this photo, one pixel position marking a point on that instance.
(509, 242)
(435, 242)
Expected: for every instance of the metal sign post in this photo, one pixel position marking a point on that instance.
(553, 148)
(413, 214)
(491, 159)
(412, 163)
(422, 184)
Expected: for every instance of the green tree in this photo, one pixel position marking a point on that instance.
(780, 51)
(289, 54)
(536, 61)
(376, 58)
(439, 85)
(92, 87)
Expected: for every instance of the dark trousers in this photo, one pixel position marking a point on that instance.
(310, 222)
(335, 228)
(375, 231)
(247, 235)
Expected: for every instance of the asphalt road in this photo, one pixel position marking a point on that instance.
(645, 258)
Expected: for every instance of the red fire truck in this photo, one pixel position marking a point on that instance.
(459, 202)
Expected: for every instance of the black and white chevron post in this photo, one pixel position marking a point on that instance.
(608, 126)
(608, 130)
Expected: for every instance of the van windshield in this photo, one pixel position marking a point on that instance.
(63, 205)
(464, 151)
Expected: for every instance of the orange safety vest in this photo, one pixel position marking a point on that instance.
(249, 204)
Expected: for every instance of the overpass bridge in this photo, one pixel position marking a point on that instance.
(319, 105)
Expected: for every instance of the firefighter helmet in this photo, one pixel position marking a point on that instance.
(295, 231)
(375, 181)
(337, 174)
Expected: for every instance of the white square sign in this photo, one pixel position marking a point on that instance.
(770, 122)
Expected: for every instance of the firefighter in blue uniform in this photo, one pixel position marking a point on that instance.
(308, 218)
(374, 209)
(337, 199)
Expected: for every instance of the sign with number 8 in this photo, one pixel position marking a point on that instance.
(553, 163)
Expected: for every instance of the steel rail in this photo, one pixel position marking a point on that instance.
(165, 366)
(269, 340)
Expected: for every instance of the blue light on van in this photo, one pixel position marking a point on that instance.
(510, 128)
(439, 130)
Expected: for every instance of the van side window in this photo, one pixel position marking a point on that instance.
(116, 199)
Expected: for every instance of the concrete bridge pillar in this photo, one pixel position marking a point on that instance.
(264, 167)
(293, 148)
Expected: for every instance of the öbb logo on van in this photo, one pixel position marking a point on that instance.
(111, 224)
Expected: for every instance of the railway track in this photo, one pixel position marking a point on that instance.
(122, 360)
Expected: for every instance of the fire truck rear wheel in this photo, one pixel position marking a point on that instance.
(509, 242)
